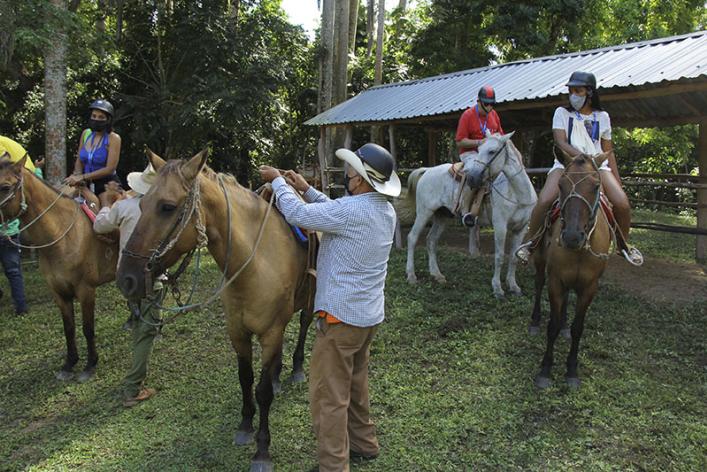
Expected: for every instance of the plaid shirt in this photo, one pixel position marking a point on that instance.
(353, 255)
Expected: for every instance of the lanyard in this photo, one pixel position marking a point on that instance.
(595, 124)
(483, 129)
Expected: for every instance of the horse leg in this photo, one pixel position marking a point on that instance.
(515, 239)
(66, 306)
(87, 298)
(534, 328)
(244, 350)
(499, 236)
(556, 293)
(271, 343)
(433, 236)
(305, 319)
(277, 370)
(474, 250)
(584, 299)
(564, 330)
(414, 234)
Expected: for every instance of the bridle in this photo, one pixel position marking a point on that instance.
(487, 175)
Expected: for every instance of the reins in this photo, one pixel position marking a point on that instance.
(492, 182)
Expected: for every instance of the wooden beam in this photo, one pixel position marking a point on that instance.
(349, 137)
(391, 138)
(701, 249)
(321, 151)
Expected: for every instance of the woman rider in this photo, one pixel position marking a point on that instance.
(99, 150)
(583, 127)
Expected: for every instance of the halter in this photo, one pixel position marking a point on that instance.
(486, 165)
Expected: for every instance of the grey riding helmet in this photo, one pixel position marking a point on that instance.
(582, 79)
(103, 105)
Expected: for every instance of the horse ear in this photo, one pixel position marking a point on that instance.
(194, 165)
(509, 135)
(600, 158)
(19, 165)
(156, 161)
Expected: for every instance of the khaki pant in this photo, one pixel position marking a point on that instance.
(338, 394)
(144, 332)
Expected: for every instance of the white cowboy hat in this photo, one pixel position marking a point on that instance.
(377, 167)
(141, 182)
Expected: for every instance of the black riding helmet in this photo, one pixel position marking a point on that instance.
(378, 159)
(582, 79)
(103, 105)
(487, 95)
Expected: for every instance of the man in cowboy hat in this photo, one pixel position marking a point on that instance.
(121, 212)
(352, 263)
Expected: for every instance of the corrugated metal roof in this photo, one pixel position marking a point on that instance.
(645, 63)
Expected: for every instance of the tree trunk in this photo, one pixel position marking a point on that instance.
(341, 50)
(378, 79)
(370, 26)
(119, 20)
(55, 96)
(402, 5)
(326, 72)
(353, 24)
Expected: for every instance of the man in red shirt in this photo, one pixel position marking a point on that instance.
(473, 125)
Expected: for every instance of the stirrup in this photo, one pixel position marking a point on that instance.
(523, 252)
(468, 220)
(633, 256)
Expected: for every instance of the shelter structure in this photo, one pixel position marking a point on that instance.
(655, 83)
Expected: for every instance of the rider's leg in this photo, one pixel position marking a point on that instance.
(477, 198)
(622, 214)
(547, 196)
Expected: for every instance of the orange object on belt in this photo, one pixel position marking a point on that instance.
(329, 318)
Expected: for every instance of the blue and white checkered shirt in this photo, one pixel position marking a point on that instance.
(353, 254)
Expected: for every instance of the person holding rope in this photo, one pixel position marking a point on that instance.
(99, 152)
(122, 212)
(583, 127)
(473, 126)
(352, 263)
(10, 232)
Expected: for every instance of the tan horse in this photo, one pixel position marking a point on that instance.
(260, 301)
(575, 252)
(74, 265)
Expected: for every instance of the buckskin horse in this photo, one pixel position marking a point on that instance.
(575, 251)
(190, 204)
(72, 259)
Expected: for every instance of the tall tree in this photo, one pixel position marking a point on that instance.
(370, 26)
(326, 75)
(341, 50)
(379, 43)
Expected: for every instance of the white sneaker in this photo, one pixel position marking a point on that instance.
(523, 252)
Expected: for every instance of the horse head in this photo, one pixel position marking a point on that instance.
(167, 227)
(580, 189)
(11, 192)
(490, 160)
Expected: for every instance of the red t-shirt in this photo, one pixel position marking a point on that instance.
(474, 126)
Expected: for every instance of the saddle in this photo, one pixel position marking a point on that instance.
(456, 171)
(305, 238)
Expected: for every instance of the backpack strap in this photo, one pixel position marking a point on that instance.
(569, 130)
(85, 135)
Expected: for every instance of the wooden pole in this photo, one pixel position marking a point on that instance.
(431, 148)
(321, 150)
(348, 139)
(701, 250)
(391, 137)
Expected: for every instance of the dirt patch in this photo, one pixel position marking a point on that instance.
(658, 280)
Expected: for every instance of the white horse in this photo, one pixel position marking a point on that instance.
(508, 206)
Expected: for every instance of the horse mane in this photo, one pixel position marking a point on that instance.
(173, 166)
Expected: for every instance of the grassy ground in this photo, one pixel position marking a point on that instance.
(451, 385)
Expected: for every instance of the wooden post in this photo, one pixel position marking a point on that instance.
(393, 148)
(321, 150)
(348, 139)
(431, 148)
(701, 251)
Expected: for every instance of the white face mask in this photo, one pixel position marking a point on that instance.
(577, 101)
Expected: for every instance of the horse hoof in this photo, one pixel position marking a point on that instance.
(573, 382)
(517, 293)
(440, 279)
(297, 377)
(64, 375)
(533, 330)
(412, 279)
(261, 466)
(542, 382)
(565, 333)
(276, 387)
(500, 296)
(243, 437)
(86, 375)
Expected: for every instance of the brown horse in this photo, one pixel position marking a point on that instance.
(575, 252)
(189, 201)
(72, 259)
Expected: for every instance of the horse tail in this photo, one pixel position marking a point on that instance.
(405, 206)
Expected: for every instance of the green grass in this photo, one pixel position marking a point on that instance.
(451, 386)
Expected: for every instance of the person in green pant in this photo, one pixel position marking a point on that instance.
(122, 212)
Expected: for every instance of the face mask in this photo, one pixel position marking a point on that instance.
(577, 101)
(97, 125)
(347, 181)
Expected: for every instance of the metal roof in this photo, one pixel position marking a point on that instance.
(635, 66)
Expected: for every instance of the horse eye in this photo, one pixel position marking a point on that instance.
(5, 188)
(168, 207)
